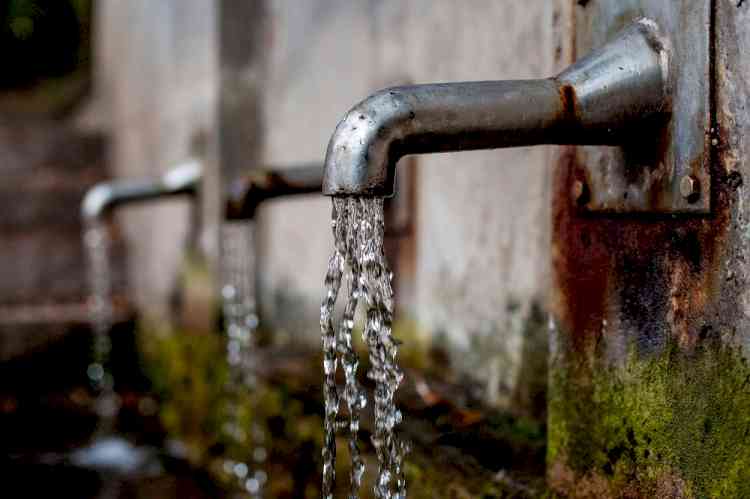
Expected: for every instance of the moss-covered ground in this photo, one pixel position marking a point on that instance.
(460, 448)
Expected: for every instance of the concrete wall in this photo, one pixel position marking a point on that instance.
(474, 264)
(157, 83)
(482, 218)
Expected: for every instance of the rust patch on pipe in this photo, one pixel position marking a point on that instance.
(247, 193)
(569, 103)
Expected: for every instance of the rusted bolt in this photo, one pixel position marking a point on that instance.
(580, 192)
(690, 188)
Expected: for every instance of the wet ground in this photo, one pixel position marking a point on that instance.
(460, 449)
(172, 412)
(47, 419)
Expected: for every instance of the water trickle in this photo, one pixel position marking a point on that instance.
(241, 321)
(106, 451)
(359, 260)
(97, 244)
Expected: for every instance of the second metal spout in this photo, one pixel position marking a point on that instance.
(246, 193)
(597, 101)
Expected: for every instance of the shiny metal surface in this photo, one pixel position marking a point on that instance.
(102, 198)
(247, 193)
(596, 101)
(644, 174)
(614, 96)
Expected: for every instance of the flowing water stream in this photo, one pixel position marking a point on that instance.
(239, 307)
(106, 450)
(359, 261)
(97, 244)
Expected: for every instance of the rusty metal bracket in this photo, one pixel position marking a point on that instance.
(664, 169)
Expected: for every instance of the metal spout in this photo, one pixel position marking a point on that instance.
(103, 197)
(247, 193)
(603, 99)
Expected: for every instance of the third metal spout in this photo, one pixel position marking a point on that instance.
(597, 101)
(103, 197)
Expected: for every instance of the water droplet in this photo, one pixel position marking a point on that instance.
(260, 454)
(95, 372)
(261, 476)
(252, 485)
(240, 470)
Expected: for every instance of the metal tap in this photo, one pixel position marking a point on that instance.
(248, 192)
(603, 99)
(105, 196)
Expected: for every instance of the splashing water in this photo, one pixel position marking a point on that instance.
(238, 302)
(359, 260)
(97, 244)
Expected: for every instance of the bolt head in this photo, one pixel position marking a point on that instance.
(690, 188)
(580, 192)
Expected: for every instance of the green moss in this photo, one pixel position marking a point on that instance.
(679, 417)
(187, 379)
(530, 397)
(429, 479)
(414, 350)
(189, 375)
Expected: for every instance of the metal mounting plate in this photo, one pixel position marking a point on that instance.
(646, 174)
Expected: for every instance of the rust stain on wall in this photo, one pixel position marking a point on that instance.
(401, 218)
(655, 275)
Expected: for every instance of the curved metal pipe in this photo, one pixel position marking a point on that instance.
(597, 101)
(105, 196)
(246, 193)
